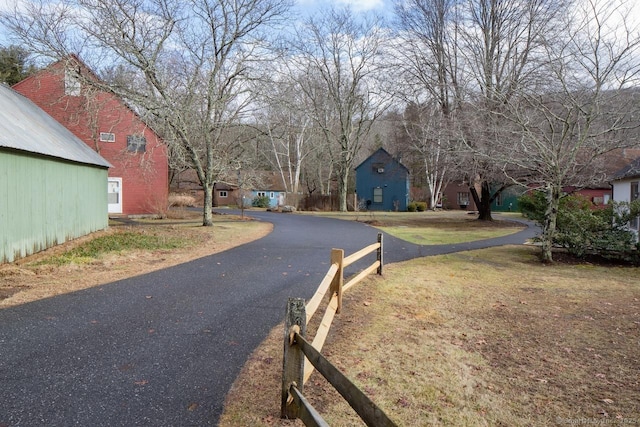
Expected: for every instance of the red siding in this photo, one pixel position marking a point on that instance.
(144, 175)
(595, 195)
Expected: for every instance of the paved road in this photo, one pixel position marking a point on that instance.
(162, 349)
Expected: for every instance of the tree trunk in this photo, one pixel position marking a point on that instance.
(483, 202)
(207, 215)
(550, 221)
(343, 182)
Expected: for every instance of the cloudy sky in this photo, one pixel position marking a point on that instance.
(304, 6)
(359, 5)
(355, 4)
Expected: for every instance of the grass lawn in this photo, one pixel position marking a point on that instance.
(480, 338)
(433, 228)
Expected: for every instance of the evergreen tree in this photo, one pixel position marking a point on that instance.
(14, 64)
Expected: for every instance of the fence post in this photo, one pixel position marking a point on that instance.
(337, 257)
(380, 254)
(293, 358)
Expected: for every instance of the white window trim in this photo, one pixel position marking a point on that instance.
(107, 137)
(378, 195)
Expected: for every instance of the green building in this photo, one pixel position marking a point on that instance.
(507, 200)
(53, 187)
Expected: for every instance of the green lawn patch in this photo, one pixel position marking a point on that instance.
(115, 243)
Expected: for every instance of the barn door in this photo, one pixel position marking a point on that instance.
(114, 195)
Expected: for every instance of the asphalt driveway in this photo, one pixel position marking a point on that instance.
(162, 349)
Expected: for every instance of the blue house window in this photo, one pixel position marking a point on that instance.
(377, 195)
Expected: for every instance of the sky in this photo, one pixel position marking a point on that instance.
(356, 5)
(303, 6)
(383, 7)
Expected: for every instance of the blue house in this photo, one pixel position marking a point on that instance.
(382, 183)
(276, 197)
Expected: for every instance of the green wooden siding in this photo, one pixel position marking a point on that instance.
(45, 202)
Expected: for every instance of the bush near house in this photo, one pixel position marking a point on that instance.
(417, 207)
(260, 202)
(583, 230)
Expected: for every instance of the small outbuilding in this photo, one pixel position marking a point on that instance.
(382, 183)
(53, 187)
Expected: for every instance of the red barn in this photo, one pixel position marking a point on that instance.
(138, 181)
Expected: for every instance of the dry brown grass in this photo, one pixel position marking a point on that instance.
(482, 338)
(181, 200)
(29, 280)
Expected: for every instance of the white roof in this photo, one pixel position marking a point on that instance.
(26, 127)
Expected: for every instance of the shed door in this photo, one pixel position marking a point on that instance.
(114, 195)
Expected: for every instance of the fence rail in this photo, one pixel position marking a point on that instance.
(301, 358)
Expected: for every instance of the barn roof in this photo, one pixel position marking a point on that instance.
(24, 126)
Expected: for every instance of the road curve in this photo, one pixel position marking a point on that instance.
(163, 348)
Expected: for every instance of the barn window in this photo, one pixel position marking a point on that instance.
(223, 193)
(107, 137)
(71, 83)
(377, 195)
(136, 143)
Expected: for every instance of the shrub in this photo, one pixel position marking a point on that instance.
(532, 206)
(260, 202)
(421, 206)
(412, 207)
(181, 199)
(583, 230)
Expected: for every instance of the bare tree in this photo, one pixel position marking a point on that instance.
(471, 57)
(503, 43)
(589, 108)
(341, 53)
(427, 53)
(427, 56)
(284, 114)
(430, 142)
(187, 62)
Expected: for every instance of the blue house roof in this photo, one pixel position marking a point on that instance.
(382, 155)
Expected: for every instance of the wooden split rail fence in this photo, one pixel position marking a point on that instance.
(297, 350)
